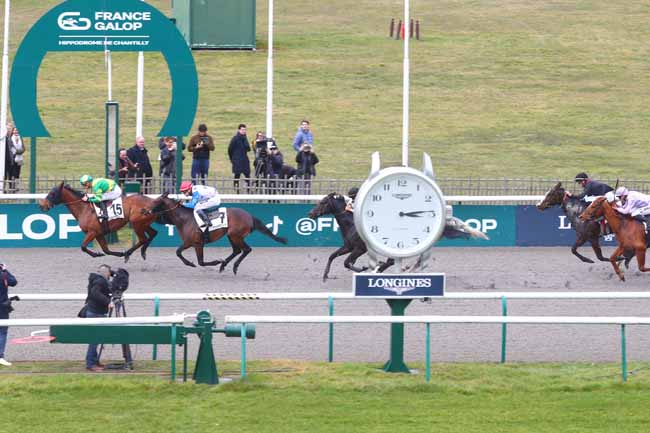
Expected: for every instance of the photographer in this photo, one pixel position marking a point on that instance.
(200, 145)
(306, 161)
(98, 303)
(5, 308)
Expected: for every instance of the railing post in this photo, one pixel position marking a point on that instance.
(330, 351)
(427, 357)
(504, 329)
(623, 355)
(173, 372)
(243, 351)
(156, 311)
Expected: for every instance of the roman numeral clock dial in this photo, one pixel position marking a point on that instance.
(400, 212)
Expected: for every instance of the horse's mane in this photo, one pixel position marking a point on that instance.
(76, 193)
(161, 210)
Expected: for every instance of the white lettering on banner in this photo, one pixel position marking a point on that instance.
(122, 16)
(65, 228)
(170, 229)
(398, 283)
(4, 231)
(564, 225)
(483, 225)
(50, 226)
(275, 225)
(306, 226)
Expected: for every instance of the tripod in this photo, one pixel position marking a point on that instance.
(120, 311)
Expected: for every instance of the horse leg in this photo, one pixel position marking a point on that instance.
(614, 263)
(152, 234)
(179, 254)
(246, 251)
(640, 259)
(385, 265)
(341, 251)
(199, 256)
(84, 245)
(102, 243)
(349, 262)
(595, 245)
(235, 251)
(574, 249)
(142, 240)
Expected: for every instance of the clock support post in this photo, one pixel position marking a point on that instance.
(396, 362)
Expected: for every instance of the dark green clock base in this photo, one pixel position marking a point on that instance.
(396, 362)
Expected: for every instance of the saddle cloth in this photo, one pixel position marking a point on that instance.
(114, 209)
(218, 217)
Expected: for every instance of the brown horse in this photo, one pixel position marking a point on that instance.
(85, 215)
(629, 233)
(240, 225)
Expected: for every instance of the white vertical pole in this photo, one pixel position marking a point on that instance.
(140, 96)
(109, 70)
(405, 90)
(269, 76)
(5, 90)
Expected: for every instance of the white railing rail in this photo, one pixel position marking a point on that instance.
(175, 318)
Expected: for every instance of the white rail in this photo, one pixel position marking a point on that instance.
(566, 320)
(313, 198)
(327, 295)
(175, 318)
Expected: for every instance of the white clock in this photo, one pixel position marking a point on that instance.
(399, 211)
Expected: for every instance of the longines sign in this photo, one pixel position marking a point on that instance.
(399, 285)
(96, 25)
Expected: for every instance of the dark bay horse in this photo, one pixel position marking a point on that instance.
(85, 215)
(572, 208)
(630, 233)
(353, 245)
(240, 225)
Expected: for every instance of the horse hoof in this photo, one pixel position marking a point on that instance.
(126, 258)
(234, 271)
(588, 261)
(144, 255)
(191, 264)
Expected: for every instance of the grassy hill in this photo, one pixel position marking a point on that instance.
(507, 88)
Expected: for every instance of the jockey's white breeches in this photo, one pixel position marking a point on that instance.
(643, 211)
(112, 195)
(211, 202)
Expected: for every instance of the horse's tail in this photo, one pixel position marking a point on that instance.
(259, 226)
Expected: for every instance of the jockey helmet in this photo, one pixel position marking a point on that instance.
(85, 179)
(621, 191)
(186, 186)
(352, 192)
(581, 177)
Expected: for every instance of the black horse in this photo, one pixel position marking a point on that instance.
(334, 204)
(585, 230)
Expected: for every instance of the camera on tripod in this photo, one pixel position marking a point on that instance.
(119, 283)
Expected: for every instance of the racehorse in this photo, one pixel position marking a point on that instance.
(334, 204)
(85, 215)
(630, 234)
(585, 230)
(240, 225)
(353, 245)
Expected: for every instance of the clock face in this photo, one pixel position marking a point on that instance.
(400, 212)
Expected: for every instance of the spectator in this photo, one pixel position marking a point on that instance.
(9, 162)
(287, 178)
(17, 148)
(303, 135)
(306, 168)
(238, 154)
(201, 145)
(168, 165)
(275, 163)
(126, 168)
(6, 280)
(138, 154)
(98, 303)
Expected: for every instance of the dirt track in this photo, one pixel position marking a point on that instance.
(299, 270)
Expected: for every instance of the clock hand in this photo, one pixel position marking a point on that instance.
(417, 213)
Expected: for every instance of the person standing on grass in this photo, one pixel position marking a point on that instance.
(200, 145)
(6, 280)
(98, 302)
(138, 154)
(238, 154)
(303, 135)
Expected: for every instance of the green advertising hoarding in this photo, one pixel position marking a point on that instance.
(25, 225)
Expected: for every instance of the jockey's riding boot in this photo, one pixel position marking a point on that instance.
(103, 218)
(206, 232)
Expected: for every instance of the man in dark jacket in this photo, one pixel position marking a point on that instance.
(200, 145)
(238, 154)
(98, 303)
(306, 161)
(138, 155)
(591, 188)
(6, 280)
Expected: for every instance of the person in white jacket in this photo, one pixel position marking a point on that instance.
(633, 203)
(17, 148)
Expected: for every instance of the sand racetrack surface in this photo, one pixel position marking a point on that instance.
(300, 270)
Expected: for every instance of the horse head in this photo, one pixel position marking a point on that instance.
(554, 197)
(52, 198)
(333, 203)
(595, 210)
(163, 207)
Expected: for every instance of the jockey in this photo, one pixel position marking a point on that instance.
(203, 197)
(349, 199)
(633, 203)
(103, 190)
(591, 188)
